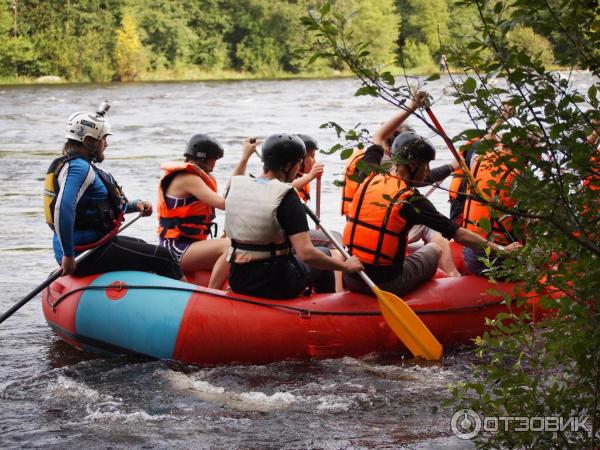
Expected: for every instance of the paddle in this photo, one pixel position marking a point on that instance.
(459, 159)
(319, 197)
(56, 274)
(399, 316)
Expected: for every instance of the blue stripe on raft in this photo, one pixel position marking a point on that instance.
(144, 320)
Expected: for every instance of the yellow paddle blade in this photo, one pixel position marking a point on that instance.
(408, 327)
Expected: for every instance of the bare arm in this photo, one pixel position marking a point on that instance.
(315, 172)
(313, 257)
(248, 148)
(476, 242)
(385, 131)
(194, 185)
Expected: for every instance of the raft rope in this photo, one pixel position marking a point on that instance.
(305, 313)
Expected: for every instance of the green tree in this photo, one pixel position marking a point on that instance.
(163, 26)
(424, 21)
(376, 22)
(130, 56)
(534, 45)
(211, 23)
(265, 36)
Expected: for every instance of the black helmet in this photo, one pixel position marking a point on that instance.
(202, 146)
(401, 129)
(409, 147)
(309, 142)
(280, 149)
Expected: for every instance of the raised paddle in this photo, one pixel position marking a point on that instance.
(54, 275)
(459, 159)
(399, 316)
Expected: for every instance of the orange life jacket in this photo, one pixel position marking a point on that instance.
(491, 179)
(350, 186)
(304, 191)
(593, 181)
(375, 231)
(458, 176)
(193, 220)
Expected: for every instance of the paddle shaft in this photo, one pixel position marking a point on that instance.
(457, 156)
(339, 246)
(319, 197)
(55, 275)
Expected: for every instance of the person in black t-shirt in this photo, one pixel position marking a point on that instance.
(385, 208)
(265, 220)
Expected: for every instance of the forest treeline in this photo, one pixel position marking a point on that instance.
(94, 40)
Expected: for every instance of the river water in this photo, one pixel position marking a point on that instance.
(54, 396)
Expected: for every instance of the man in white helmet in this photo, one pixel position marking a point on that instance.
(84, 206)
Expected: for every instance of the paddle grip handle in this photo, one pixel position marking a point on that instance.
(338, 245)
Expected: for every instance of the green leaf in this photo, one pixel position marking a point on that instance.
(485, 224)
(592, 92)
(388, 78)
(435, 76)
(367, 90)
(325, 9)
(346, 153)
(469, 85)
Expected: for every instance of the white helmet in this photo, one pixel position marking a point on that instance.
(82, 124)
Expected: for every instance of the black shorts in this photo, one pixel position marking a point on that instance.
(127, 253)
(280, 278)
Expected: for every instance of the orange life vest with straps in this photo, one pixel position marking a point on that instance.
(375, 230)
(458, 176)
(350, 186)
(494, 181)
(193, 220)
(304, 191)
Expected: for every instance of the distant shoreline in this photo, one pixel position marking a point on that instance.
(197, 75)
(192, 74)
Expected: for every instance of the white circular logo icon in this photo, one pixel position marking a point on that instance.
(465, 423)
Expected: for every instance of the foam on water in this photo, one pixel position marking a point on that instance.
(244, 401)
(65, 388)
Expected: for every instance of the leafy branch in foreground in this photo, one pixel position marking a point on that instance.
(550, 368)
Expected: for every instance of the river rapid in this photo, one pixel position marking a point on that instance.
(53, 396)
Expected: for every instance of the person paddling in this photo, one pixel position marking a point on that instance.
(265, 220)
(385, 208)
(380, 154)
(84, 207)
(187, 198)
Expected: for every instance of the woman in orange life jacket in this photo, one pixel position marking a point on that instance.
(495, 178)
(458, 185)
(186, 207)
(384, 210)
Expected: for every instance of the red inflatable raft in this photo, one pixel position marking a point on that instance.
(142, 313)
